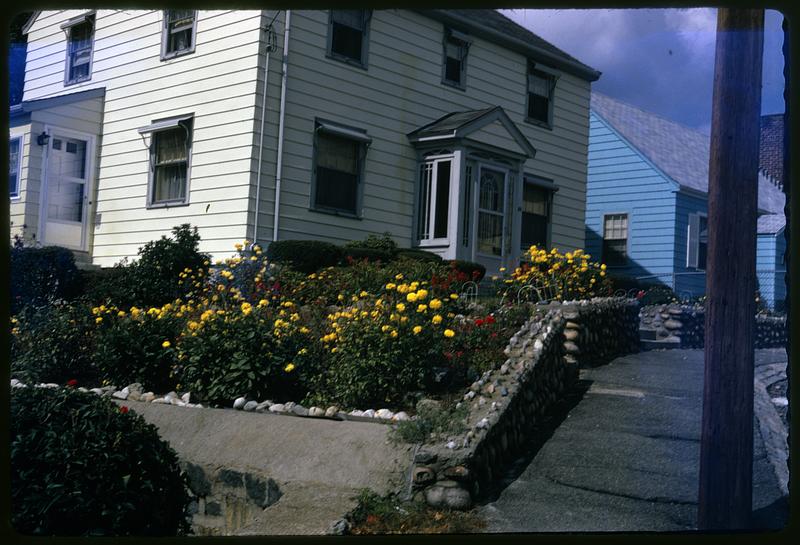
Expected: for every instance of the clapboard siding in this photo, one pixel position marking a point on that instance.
(621, 180)
(400, 91)
(771, 268)
(217, 83)
(689, 280)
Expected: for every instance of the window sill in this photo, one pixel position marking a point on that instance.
(335, 212)
(454, 85)
(15, 198)
(539, 123)
(77, 81)
(160, 205)
(346, 60)
(177, 54)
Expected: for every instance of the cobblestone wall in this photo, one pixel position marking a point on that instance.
(505, 404)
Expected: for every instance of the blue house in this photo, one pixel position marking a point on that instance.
(647, 203)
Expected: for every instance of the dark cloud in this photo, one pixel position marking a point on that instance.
(661, 60)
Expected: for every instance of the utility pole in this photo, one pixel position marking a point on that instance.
(726, 449)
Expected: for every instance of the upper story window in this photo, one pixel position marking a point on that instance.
(180, 29)
(454, 64)
(348, 35)
(339, 154)
(14, 165)
(170, 160)
(80, 42)
(541, 88)
(615, 240)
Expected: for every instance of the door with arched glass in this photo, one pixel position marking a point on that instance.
(490, 240)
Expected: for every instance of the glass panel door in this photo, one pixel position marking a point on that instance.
(67, 177)
(491, 212)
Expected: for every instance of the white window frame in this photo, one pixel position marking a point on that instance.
(67, 27)
(627, 239)
(165, 32)
(693, 241)
(331, 54)
(427, 217)
(163, 125)
(21, 139)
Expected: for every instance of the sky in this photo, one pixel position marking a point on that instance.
(660, 60)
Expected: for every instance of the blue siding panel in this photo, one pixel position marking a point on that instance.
(770, 269)
(621, 180)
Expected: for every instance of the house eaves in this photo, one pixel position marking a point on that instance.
(516, 38)
(61, 100)
(27, 26)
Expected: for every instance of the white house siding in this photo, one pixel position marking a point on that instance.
(400, 91)
(217, 83)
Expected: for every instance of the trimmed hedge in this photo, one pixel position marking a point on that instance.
(80, 466)
(306, 256)
(41, 275)
(419, 255)
(352, 253)
(474, 271)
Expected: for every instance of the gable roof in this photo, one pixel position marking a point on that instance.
(771, 224)
(496, 27)
(462, 124)
(679, 152)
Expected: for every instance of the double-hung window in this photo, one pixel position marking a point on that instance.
(536, 205)
(170, 160)
(14, 164)
(615, 240)
(454, 64)
(348, 35)
(541, 88)
(80, 42)
(339, 154)
(180, 29)
(697, 246)
(434, 200)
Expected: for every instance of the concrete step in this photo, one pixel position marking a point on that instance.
(669, 342)
(648, 334)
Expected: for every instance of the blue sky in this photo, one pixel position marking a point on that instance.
(661, 60)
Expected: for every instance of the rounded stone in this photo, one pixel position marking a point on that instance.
(186, 398)
(423, 475)
(250, 406)
(386, 414)
(316, 411)
(331, 411)
(147, 397)
(400, 417)
(263, 406)
(369, 413)
(299, 410)
(239, 403)
(277, 408)
(424, 457)
(571, 334)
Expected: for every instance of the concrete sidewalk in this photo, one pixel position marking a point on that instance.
(626, 457)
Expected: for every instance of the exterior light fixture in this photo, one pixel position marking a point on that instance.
(43, 139)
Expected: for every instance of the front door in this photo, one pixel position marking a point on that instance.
(66, 191)
(491, 212)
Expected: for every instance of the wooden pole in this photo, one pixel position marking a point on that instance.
(726, 450)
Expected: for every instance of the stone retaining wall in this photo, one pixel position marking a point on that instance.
(687, 323)
(505, 404)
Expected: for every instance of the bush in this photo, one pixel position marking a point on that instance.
(658, 295)
(54, 343)
(80, 465)
(111, 285)
(432, 419)
(474, 271)
(383, 243)
(419, 255)
(351, 255)
(130, 346)
(306, 256)
(254, 351)
(42, 275)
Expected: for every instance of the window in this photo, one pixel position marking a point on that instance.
(434, 200)
(535, 216)
(180, 27)
(348, 35)
(14, 164)
(80, 39)
(541, 85)
(454, 65)
(697, 241)
(170, 160)
(339, 158)
(615, 240)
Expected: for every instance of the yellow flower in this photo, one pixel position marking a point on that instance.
(453, 296)
(400, 307)
(393, 334)
(340, 297)
(436, 319)
(193, 325)
(422, 294)
(502, 269)
(98, 319)
(398, 276)
(422, 307)
(238, 246)
(363, 294)
(262, 303)
(289, 368)
(384, 328)
(304, 329)
(436, 304)
(417, 329)
(166, 344)
(390, 286)
(121, 314)
(411, 297)
(449, 333)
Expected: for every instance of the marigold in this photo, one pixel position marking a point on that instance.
(400, 307)
(417, 329)
(393, 334)
(437, 319)
(435, 304)
(390, 286)
(449, 333)
(422, 307)
(289, 368)
(411, 297)
(166, 344)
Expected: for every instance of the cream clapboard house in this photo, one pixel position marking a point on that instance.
(456, 131)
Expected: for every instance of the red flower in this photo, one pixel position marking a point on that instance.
(448, 355)
(459, 353)
(493, 335)
(640, 294)
(372, 519)
(72, 383)
(490, 319)
(123, 409)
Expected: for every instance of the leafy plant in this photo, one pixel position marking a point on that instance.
(432, 419)
(384, 243)
(81, 465)
(474, 271)
(419, 255)
(306, 256)
(42, 275)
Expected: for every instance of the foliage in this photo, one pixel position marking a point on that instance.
(420, 255)
(482, 339)
(130, 345)
(247, 275)
(354, 254)
(552, 275)
(306, 256)
(432, 419)
(381, 347)
(658, 295)
(42, 275)
(474, 271)
(258, 351)
(375, 242)
(110, 285)
(53, 343)
(80, 465)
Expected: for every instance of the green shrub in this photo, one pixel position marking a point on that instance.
(474, 271)
(251, 351)
(384, 243)
(658, 295)
(306, 256)
(80, 465)
(432, 419)
(54, 343)
(419, 255)
(130, 346)
(112, 285)
(42, 275)
(351, 255)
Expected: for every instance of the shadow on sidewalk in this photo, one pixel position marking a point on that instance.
(539, 435)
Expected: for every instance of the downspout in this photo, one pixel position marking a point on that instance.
(270, 47)
(279, 166)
